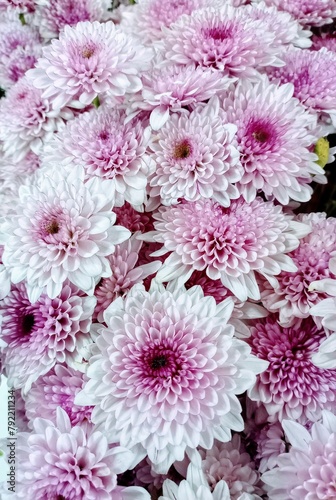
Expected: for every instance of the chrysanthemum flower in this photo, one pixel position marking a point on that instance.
(148, 17)
(195, 487)
(292, 386)
(327, 40)
(275, 134)
(270, 444)
(286, 29)
(226, 39)
(195, 158)
(313, 74)
(230, 462)
(19, 6)
(106, 147)
(20, 48)
(27, 119)
(52, 16)
(293, 297)
(167, 373)
(133, 220)
(87, 60)
(57, 388)
(307, 12)
(307, 470)
(44, 333)
(63, 229)
(231, 244)
(76, 463)
(173, 88)
(126, 272)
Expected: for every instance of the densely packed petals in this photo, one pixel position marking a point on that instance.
(307, 12)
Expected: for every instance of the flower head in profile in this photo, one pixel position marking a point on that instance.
(173, 88)
(42, 334)
(195, 158)
(52, 16)
(274, 139)
(292, 386)
(63, 229)
(307, 470)
(20, 47)
(307, 12)
(26, 119)
(87, 60)
(225, 39)
(57, 388)
(167, 373)
(61, 461)
(313, 74)
(230, 244)
(106, 147)
(294, 296)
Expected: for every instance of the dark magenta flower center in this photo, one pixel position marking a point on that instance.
(28, 322)
(158, 362)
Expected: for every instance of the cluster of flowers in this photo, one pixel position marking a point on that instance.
(168, 313)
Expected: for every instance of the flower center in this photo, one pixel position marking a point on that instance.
(28, 322)
(182, 150)
(88, 52)
(158, 362)
(52, 227)
(261, 135)
(220, 33)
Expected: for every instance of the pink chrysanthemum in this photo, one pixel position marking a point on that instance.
(44, 333)
(73, 463)
(57, 388)
(135, 221)
(286, 29)
(307, 471)
(19, 6)
(106, 147)
(231, 244)
(126, 272)
(274, 140)
(173, 88)
(313, 74)
(270, 444)
(167, 373)
(27, 119)
(195, 158)
(292, 386)
(293, 297)
(20, 48)
(231, 463)
(226, 39)
(52, 16)
(148, 17)
(307, 12)
(87, 60)
(64, 229)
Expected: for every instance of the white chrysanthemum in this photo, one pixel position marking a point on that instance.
(195, 157)
(167, 372)
(63, 229)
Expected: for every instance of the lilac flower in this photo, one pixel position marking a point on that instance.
(226, 39)
(106, 147)
(292, 386)
(88, 60)
(167, 373)
(274, 136)
(294, 296)
(60, 461)
(20, 48)
(195, 158)
(57, 388)
(231, 244)
(27, 119)
(313, 75)
(63, 229)
(307, 470)
(173, 88)
(44, 333)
